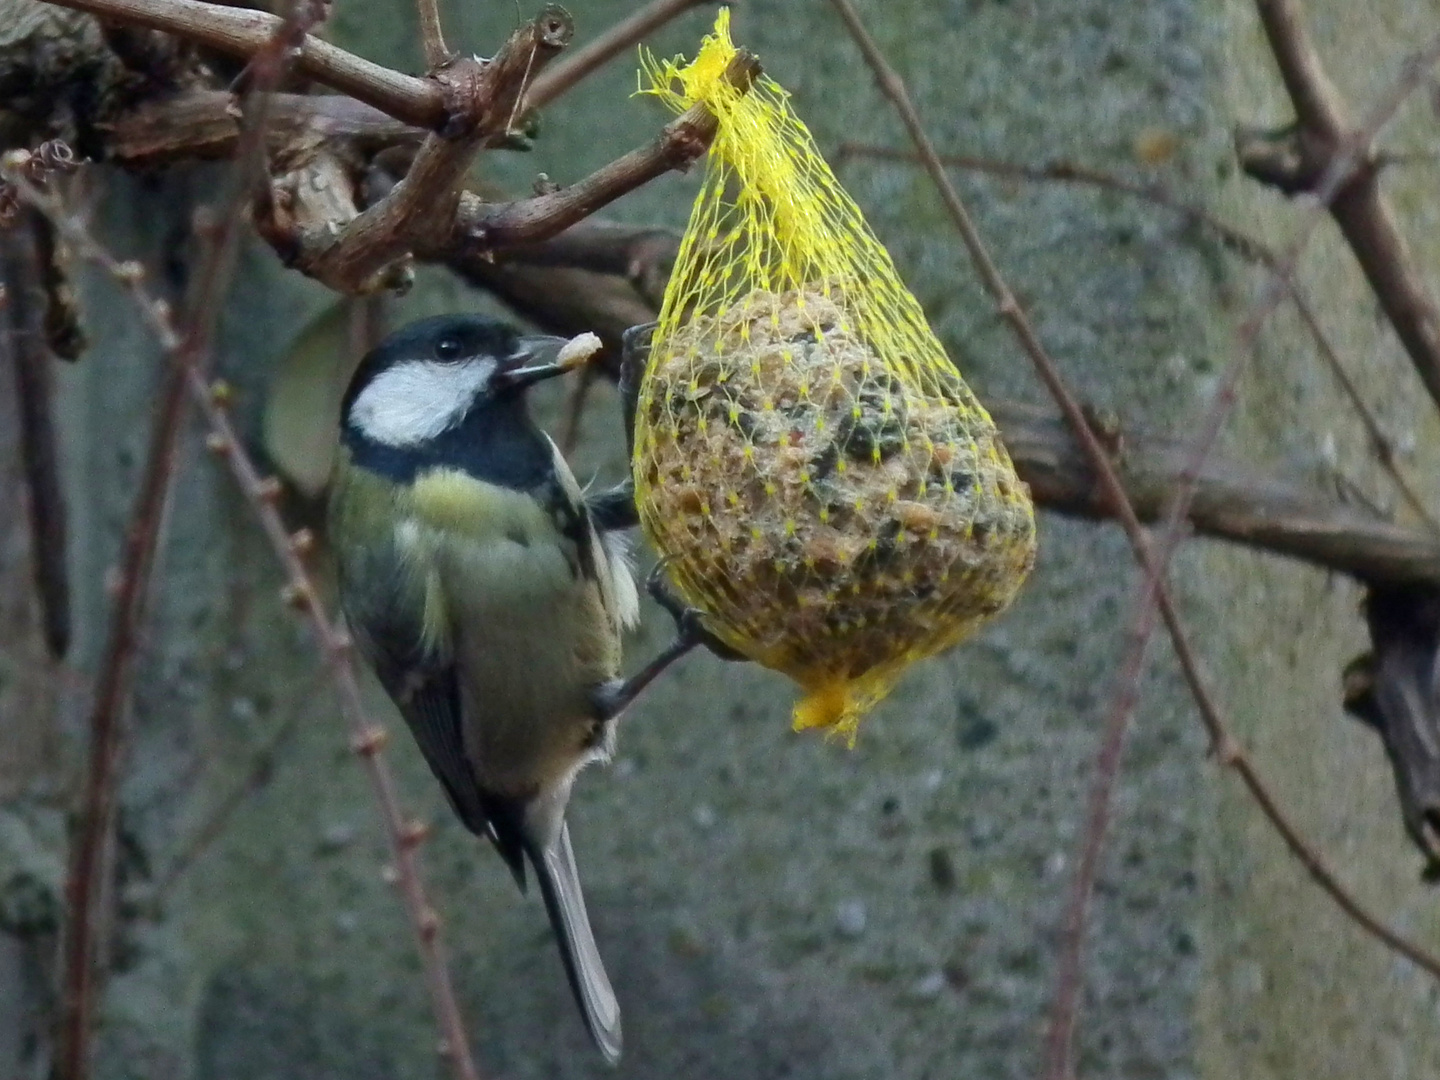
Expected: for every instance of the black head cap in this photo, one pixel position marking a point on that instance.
(446, 338)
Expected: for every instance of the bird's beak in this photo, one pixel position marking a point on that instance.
(537, 359)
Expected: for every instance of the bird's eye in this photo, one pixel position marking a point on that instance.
(448, 348)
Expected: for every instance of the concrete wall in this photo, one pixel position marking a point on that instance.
(727, 859)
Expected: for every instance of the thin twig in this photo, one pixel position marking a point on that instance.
(367, 738)
(20, 254)
(1154, 594)
(261, 769)
(1248, 247)
(581, 62)
(94, 826)
(432, 36)
(1070, 172)
(642, 255)
(575, 411)
(1380, 442)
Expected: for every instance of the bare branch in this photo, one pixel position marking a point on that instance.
(1295, 160)
(487, 226)
(1380, 442)
(21, 297)
(243, 32)
(94, 832)
(1154, 593)
(368, 738)
(94, 824)
(1317, 103)
(431, 34)
(1070, 172)
(1266, 512)
(563, 300)
(201, 124)
(1243, 244)
(362, 254)
(624, 34)
(1393, 690)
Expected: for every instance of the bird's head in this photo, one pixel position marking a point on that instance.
(425, 379)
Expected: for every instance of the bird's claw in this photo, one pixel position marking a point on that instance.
(689, 621)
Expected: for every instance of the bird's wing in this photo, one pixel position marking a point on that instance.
(420, 677)
(430, 703)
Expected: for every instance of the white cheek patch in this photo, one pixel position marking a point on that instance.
(417, 400)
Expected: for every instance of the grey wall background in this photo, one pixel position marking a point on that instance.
(720, 849)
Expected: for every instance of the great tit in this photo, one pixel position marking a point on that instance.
(490, 598)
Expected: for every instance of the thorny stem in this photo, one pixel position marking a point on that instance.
(1154, 593)
(367, 738)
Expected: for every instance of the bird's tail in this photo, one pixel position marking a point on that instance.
(560, 886)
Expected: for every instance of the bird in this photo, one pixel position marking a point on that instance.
(490, 599)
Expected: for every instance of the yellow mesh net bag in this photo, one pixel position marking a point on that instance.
(824, 485)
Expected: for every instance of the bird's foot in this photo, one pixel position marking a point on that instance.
(612, 698)
(689, 621)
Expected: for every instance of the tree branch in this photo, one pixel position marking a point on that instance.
(1246, 246)
(93, 836)
(202, 125)
(21, 297)
(367, 251)
(488, 226)
(243, 32)
(368, 739)
(1317, 102)
(1265, 512)
(431, 34)
(624, 34)
(1154, 593)
(1294, 161)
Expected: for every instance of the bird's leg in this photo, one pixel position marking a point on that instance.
(634, 355)
(689, 621)
(615, 508)
(614, 697)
